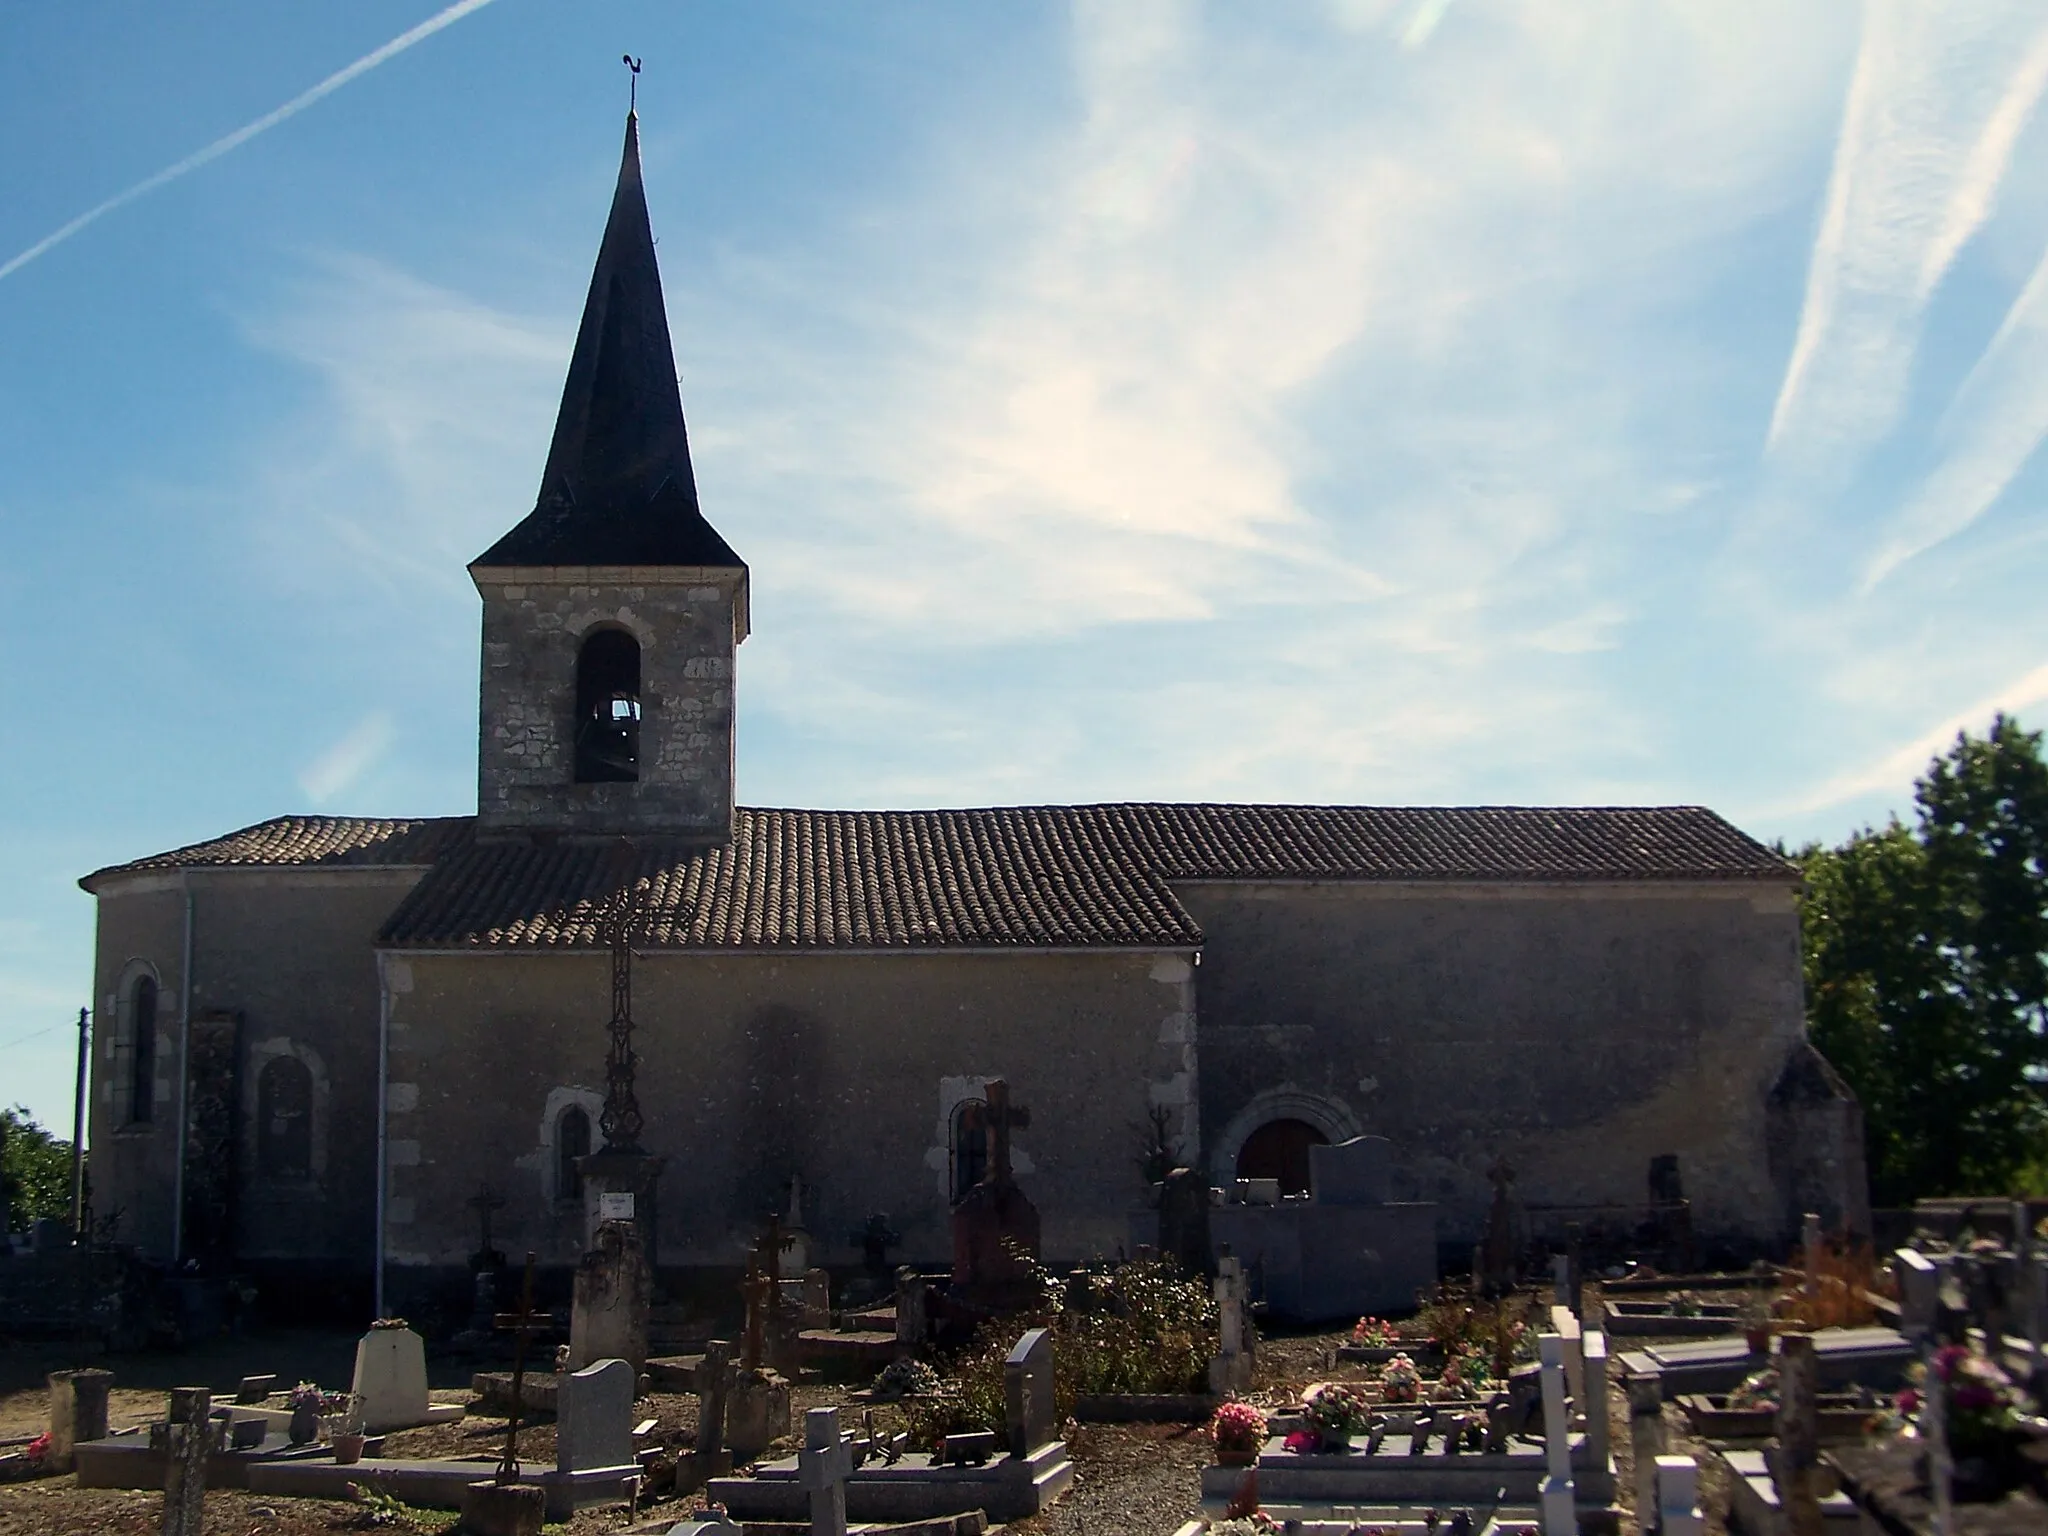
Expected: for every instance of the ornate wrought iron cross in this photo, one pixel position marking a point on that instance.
(621, 1118)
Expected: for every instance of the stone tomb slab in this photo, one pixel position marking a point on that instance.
(1869, 1357)
(1395, 1473)
(436, 1484)
(913, 1488)
(129, 1461)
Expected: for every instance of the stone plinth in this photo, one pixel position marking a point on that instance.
(78, 1413)
(613, 1291)
(756, 1413)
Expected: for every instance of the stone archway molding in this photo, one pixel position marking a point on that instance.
(1327, 1113)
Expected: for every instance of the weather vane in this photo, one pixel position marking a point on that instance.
(633, 91)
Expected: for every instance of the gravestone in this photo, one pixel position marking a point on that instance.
(817, 1302)
(1593, 1368)
(1028, 1411)
(1565, 1324)
(911, 1324)
(190, 1437)
(78, 1413)
(594, 1417)
(1230, 1371)
(1919, 1279)
(1646, 1433)
(794, 1259)
(823, 1468)
(1558, 1494)
(714, 1384)
(608, 1320)
(995, 1227)
(1678, 1497)
(1796, 1468)
(756, 1412)
(1184, 1220)
(1497, 1268)
(391, 1379)
(254, 1389)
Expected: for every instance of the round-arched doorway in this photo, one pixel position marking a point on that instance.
(1279, 1150)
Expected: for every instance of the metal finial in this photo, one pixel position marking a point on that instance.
(633, 91)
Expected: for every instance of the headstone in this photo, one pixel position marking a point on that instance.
(1646, 1432)
(192, 1438)
(910, 1310)
(1257, 1191)
(994, 1222)
(1565, 1324)
(756, 1412)
(1184, 1220)
(594, 1417)
(1919, 1292)
(1231, 1369)
(1497, 1248)
(817, 1299)
(1796, 1467)
(823, 1466)
(1678, 1497)
(608, 1319)
(1557, 1497)
(1027, 1393)
(794, 1260)
(47, 1234)
(254, 1389)
(714, 1383)
(1593, 1355)
(391, 1379)
(1354, 1172)
(78, 1413)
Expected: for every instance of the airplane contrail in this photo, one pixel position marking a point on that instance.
(248, 131)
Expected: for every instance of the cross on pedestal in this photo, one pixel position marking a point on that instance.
(823, 1466)
(522, 1325)
(1000, 1118)
(759, 1290)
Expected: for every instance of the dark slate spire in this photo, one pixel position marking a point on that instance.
(618, 489)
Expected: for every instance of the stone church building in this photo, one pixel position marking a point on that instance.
(321, 1038)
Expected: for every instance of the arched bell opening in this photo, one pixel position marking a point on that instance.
(608, 708)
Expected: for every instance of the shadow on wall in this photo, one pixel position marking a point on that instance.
(1814, 1130)
(784, 1063)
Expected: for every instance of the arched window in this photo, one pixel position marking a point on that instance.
(970, 1146)
(1279, 1150)
(608, 708)
(572, 1141)
(284, 1119)
(142, 1063)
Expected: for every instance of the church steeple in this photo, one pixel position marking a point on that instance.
(613, 611)
(618, 489)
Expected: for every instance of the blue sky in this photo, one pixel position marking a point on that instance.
(1372, 400)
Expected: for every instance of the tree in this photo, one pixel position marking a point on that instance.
(1926, 955)
(37, 1170)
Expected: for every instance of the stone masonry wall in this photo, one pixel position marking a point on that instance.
(843, 1069)
(1578, 1030)
(526, 760)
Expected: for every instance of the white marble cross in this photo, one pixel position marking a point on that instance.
(823, 1467)
(1559, 1517)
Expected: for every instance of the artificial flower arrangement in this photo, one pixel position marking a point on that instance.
(1984, 1407)
(1238, 1427)
(1759, 1389)
(306, 1395)
(1400, 1380)
(1374, 1332)
(1465, 1372)
(1335, 1411)
(37, 1450)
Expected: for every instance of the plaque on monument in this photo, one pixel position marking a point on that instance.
(615, 1205)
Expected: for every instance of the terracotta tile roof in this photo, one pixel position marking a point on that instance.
(312, 841)
(1015, 877)
(1028, 877)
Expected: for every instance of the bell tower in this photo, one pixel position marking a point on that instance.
(613, 611)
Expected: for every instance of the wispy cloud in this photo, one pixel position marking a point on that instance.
(1998, 420)
(343, 764)
(1922, 150)
(242, 135)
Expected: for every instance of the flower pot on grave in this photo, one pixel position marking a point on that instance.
(348, 1449)
(305, 1425)
(1759, 1340)
(1236, 1455)
(1334, 1442)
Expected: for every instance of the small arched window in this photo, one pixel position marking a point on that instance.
(572, 1141)
(970, 1146)
(142, 1063)
(284, 1119)
(608, 708)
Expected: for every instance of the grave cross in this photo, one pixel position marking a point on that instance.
(508, 1465)
(485, 1201)
(824, 1465)
(1001, 1117)
(621, 1121)
(759, 1290)
(191, 1437)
